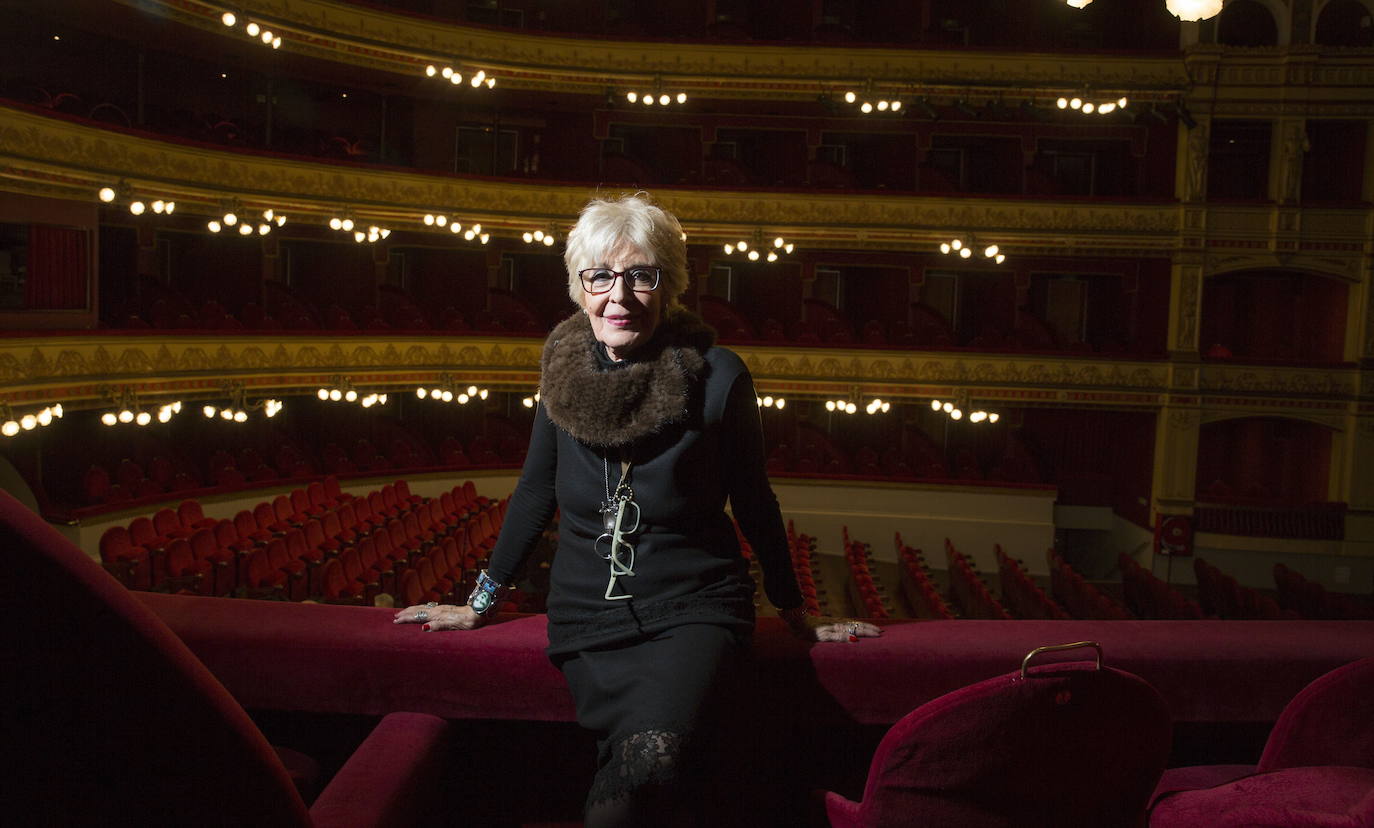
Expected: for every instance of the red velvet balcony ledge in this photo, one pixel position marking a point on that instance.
(338, 659)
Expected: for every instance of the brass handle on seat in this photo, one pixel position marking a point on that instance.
(1025, 662)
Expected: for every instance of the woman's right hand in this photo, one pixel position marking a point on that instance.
(439, 617)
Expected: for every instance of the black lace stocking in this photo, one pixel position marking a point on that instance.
(641, 782)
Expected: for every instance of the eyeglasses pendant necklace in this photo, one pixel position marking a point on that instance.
(619, 520)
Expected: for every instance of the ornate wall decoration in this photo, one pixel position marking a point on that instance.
(1188, 304)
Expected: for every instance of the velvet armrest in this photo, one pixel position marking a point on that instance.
(393, 778)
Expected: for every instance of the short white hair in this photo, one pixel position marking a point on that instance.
(607, 225)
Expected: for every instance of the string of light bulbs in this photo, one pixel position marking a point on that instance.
(253, 29)
(455, 227)
(956, 247)
(476, 80)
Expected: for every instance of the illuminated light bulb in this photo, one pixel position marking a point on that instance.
(463, 399)
(1076, 103)
(682, 97)
(230, 219)
(866, 108)
(253, 29)
(528, 237)
(934, 405)
(212, 226)
(753, 255)
(240, 417)
(245, 230)
(528, 402)
(787, 248)
(359, 236)
(228, 19)
(266, 36)
(431, 70)
(482, 394)
(548, 241)
(886, 407)
(455, 79)
(264, 229)
(772, 257)
(381, 398)
(421, 393)
(729, 249)
(742, 246)
(1106, 108)
(368, 401)
(323, 393)
(956, 414)
(472, 390)
(476, 80)
(276, 42)
(850, 408)
(484, 238)
(384, 232)
(28, 422)
(538, 235)
(849, 97)
(442, 220)
(1122, 101)
(1088, 108)
(226, 414)
(143, 418)
(335, 224)
(491, 83)
(45, 417)
(758, 402)
(447, 73)
(351, 395)
(164, 415)
(448, 396)
(944, 247)
(992, 418)
(107, 194)
(768, 402)
(778, 242)
(648, 100)
(429, 220)
(632, 97)
(477, 228)
(108, 418)
(347, 224)
(159, 206)
(882, 106)
(664, 100)
(137, 208)
(896, 106)
(956, 244)
(947, 407)
(1001, 257)
(990, 251)
(965, 253)
(455, 228)
(469, 235)
(126, 416)
(829, 405)
(10, 428)
(335, 395)
(779, 403)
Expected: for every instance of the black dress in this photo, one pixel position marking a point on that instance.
(647, 671)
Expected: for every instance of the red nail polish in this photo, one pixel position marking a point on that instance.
(853, 638)
(425, 628)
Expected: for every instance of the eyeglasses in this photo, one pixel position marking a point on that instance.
(641, 278)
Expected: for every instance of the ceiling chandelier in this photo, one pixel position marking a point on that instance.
(1193, 10)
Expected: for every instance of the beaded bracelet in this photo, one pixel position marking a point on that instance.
(483, 596)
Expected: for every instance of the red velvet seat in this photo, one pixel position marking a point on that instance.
(129, 563)
(1303, 797)
(172, 746)
(268, 521)
(1067, 744)
(193, 517)
(332, 490)
(1330, 723)
(248, 531)
(167, 524)
(403, 493)
(221, 561)
(301, 505)
(409, 592)
(182, 571)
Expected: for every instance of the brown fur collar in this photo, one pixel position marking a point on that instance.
(614, 408)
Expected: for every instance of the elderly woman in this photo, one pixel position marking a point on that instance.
(643, 431)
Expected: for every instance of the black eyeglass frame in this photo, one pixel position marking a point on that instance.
(621, 274)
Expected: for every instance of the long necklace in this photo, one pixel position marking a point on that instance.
(619, 519)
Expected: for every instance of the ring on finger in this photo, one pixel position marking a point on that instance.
(431, 604)
(422, 616)
(853, 631)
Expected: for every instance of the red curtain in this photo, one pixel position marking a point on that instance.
(57, 269)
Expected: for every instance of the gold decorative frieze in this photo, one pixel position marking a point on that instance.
(371, 36)
(77, 370)
(35, 148)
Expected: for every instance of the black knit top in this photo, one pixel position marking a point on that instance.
(687, 562)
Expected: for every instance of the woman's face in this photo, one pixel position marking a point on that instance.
(622, 318)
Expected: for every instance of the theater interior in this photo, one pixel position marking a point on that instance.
(1059, 316)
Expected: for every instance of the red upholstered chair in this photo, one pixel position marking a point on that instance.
(125, 561)
(266, 518)
(193, 517)
(1316, 797)
(262, 578)
(1062, 744)
(1330, 723)
(167, 524)
(172, 745)
(300, 503)
(410, 592)
(331, 488)
(221, 561)
(403, 493)
(182, 571)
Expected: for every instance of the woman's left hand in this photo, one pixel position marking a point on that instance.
(825, 628)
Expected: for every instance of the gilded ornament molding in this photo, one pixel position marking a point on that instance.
(36, 150)
(370, 36)
(74, 370)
